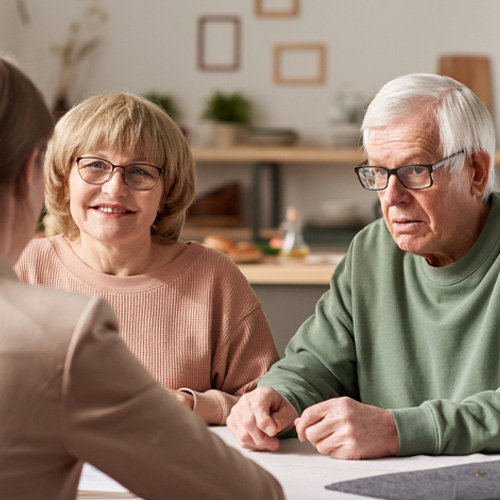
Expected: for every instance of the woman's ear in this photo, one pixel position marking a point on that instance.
(480, 171)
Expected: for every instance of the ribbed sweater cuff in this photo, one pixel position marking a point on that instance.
(212, 406)
(416, 431)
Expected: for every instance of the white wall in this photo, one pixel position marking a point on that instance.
(151, 45)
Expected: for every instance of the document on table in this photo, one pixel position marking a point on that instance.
(95, 484)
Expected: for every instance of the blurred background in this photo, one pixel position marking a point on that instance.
(294, 75)
(84, 47)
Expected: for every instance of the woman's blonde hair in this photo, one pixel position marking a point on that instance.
(127, 124)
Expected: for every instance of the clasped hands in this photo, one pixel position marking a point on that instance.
(341, 427)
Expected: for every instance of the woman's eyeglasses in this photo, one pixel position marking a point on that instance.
(138, 176)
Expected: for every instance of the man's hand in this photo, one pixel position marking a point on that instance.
(347, 429)
(257, 418)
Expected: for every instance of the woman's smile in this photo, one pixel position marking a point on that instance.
(111, 210)
(111, 213)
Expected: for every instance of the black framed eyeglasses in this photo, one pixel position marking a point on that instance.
(411, 176)
(138, 176)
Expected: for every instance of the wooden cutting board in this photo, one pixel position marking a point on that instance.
(472, 71)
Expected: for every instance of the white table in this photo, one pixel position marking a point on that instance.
(304, 473)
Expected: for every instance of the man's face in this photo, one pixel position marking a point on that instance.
(439, 223)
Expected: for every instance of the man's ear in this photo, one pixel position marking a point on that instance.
(480, 171)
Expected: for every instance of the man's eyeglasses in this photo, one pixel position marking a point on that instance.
(138, 176)
(411, 176)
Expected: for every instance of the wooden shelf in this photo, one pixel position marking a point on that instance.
(282, 154)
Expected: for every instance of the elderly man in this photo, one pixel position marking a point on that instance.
(402, 354)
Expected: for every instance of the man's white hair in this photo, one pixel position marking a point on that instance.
(463, 121)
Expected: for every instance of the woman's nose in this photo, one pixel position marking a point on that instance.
(116, 184)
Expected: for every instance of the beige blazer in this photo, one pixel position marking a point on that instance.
(71, 391)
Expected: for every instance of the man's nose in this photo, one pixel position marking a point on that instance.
(394, 193)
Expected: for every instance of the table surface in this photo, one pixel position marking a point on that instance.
(304, 473)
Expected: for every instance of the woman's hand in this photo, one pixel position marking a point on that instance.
(184, 398)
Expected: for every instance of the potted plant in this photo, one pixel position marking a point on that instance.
(229, 112)
(166, 102)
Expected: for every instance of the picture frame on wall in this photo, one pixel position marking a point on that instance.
(276, 8)
(299, 63)
(219, 43)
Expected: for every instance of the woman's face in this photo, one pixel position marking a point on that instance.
(112, 213)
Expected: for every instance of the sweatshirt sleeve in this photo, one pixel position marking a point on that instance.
(445, 427)
(116, 417)
(320, 360)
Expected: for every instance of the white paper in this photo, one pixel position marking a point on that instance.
(93, 479)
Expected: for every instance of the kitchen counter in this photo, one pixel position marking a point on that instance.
(316, 269)
(289, 289)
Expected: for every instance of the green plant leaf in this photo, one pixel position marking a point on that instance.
(166, 102)
(227, 108)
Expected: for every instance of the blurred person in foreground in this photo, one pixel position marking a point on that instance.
(70, 390)
(401, 355)
(120, 177)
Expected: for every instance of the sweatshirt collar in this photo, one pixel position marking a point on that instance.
(485, 248)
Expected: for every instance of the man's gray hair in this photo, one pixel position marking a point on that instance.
(464, 122)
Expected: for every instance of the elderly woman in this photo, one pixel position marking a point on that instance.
(119, 179)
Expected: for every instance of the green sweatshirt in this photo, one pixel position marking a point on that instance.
(397, 333)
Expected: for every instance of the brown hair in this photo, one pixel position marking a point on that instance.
(128, 124)
(25, 122)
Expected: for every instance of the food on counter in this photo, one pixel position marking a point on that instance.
(276, 242)
(243, 251)
(218, 242)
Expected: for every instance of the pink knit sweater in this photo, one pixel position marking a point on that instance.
(195, 323)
